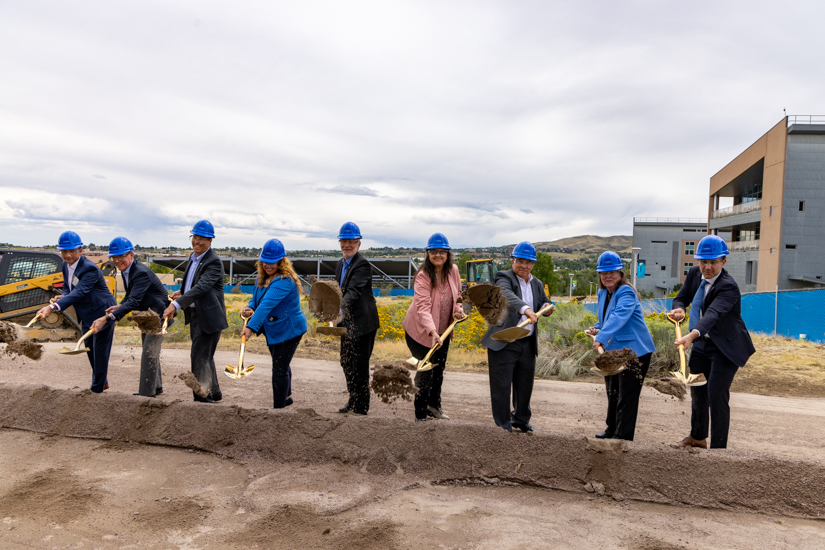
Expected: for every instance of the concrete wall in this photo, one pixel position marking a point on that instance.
(736, 266)
(804, 181)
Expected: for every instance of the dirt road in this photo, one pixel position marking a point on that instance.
(117, 471)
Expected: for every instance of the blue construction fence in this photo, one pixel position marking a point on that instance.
(795, 313)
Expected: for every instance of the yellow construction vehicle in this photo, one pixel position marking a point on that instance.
(28, 280)
(481, 271)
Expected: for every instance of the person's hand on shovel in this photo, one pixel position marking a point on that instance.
(436, 339)
(170, 311)
(247, 333)
(687, 339)
(530, 314)
(677, 315)
(100, 322)
(247, 312)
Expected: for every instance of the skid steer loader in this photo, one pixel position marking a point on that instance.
(28, 280)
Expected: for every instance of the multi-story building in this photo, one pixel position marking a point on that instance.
(665, 247)
(771, 200)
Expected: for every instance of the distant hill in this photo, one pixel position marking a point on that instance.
(588, 244)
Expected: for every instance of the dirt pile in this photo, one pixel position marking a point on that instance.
(15, 346)
(147, 321)
(609, 361)
(668, 386)
(392, 382)
(53, 495)
(489, 301)
(325, 300)
(193, 384)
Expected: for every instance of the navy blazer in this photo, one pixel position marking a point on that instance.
(511, 289)
(722, 315)
(623, 325)
(358, 302)
(90, 296)
(206, 293)
(278, 311)
(144, 291)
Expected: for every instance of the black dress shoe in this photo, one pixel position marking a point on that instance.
(160, 391)
(200, 399)
(217, 397)
(525, 428)
(144, 395)
(604, 435)
(345, 409)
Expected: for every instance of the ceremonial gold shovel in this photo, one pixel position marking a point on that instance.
(36, 317)
(240, 372)
(425, 364)
(517, 332)
(165, 324)
(597, 370)
(682, 374)
(77, 349)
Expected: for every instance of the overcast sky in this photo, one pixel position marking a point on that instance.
(492, 122)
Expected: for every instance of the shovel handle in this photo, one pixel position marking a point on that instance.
(681, 347)
(91, 331)
(446, 333)
(539, 312)
(601, 348)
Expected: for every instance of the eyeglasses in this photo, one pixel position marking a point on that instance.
(349, 241)
(120, 258)
(437, 252)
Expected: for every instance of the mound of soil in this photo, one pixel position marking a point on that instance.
(668, 386)
(147, 321)
(612, 360)
(26, 348)
(391, 382)
(8, 333)
(193, 384)
(489, 301)
(325, 300)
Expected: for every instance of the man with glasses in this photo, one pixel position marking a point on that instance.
(359, 315)
(721, 343)
(85, 288)
(203, 308)
(144, 291)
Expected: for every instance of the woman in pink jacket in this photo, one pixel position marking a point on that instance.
(437, 290)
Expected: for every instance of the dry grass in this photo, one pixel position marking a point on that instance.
(783, 367)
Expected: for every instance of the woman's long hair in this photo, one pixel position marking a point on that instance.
(429, 269)
(285, 269)
(622, 281)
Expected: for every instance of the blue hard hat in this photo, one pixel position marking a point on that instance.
(272, 252)
(711, 247)
(69, 240)
(438, 240)
(525, 251)
(349, 231)
(120, 246)
(203, 228)
(609, 261)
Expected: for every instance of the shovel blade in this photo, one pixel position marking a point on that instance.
(425, 366)
(246, 371)
(231, 374)
(695, 380)
(412, 361)
(510, 334)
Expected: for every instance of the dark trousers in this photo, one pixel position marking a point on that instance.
(202, 356)
(512, 369)
(713, 397)
(151, 380)
(355, 360)
(282, 353)
(428, 382)
(623, 391)
(99, 347)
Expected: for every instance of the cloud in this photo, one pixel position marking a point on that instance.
(350, 190)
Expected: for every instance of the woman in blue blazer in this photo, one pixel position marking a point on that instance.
(275, 310)
(621, 325)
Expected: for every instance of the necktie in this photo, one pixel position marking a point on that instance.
(696, 305)
(344, 272)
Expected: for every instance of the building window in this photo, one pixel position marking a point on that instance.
(773, 251)
(790, 247)
(664, 268)
(750, 273)
(659, 242)
(801, 206)
(688, 265)
(690, 248)
(771, 214)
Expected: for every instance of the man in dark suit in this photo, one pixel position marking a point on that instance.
(359, 315)
(203, 306)
(144, 291)
(721, 343)
(85, 288)
(512, 366)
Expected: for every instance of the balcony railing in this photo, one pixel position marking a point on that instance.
(741, 246)
(805, 119)
(740, 208)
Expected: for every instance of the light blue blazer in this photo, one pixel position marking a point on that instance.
(278, 310)
(623, 325)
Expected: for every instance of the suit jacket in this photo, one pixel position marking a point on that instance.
(358, 303)
(90, 296)
(623, 325)
(425, 309)
(143, 291)
(722, 315)
(277, 311)
(510, 287)
(206, 293)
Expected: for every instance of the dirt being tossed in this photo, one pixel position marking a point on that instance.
(489, 301)
(391, 382)
(325, 300)
(147, 321)
(668, 386)
(610, 361)
(16, 346)
(193, 384)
